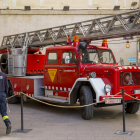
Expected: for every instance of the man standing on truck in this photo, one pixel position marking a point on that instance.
(3, 108)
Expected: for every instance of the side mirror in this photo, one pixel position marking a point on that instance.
(121, 61)
(67, 59)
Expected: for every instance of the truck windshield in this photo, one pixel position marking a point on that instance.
(91, 56)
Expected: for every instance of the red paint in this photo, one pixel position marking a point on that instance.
(30, 86)
(22, 83)
(66, 80)
(61, 94)
(67, 74)
(33, 50)
(35, 63)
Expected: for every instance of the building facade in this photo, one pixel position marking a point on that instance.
(73, 4)
(48, 13)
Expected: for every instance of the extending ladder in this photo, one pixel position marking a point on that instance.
(114, 26)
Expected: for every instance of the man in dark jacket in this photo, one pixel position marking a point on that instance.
(3, 108)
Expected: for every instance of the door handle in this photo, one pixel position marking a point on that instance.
(60, 70)
(46, 70)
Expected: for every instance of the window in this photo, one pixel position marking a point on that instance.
(90, 56)
(106, 56)
(71, 55)
(14, 3)
(52, 58)
(139, 47)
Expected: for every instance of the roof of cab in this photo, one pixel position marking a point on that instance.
(97, 47)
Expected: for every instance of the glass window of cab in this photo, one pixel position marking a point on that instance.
(92, 56)
(71, 56)
(52, 58)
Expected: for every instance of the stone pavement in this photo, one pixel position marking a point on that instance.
(51, 123)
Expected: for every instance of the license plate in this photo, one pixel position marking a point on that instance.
(136, 91)
(112, 101)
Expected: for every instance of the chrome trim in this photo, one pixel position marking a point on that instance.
(58, 97)
(112, 98)
(57, 90)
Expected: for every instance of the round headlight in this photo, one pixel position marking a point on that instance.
(126, 78)
(92, 74)
(107, 88)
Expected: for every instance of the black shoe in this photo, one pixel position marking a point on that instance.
(8, 129)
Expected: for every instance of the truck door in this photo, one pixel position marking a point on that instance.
(67, 71)
(51, 71)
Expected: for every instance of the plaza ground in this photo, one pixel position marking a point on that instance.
(51, 123)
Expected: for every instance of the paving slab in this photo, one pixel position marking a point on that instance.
(52, 123)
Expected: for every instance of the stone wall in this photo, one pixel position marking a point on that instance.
(73, 4)
(18, 21)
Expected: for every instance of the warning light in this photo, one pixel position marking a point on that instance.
(104, 40)
(76, 38)
(104, 44)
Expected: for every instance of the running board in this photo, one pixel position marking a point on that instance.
(51, 99)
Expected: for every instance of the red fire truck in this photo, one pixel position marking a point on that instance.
(73, 70)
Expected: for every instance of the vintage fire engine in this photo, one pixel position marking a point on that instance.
(73, 70)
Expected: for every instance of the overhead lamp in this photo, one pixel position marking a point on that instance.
(116, 8)
(27, 8)
(133, 3)
(66, 8)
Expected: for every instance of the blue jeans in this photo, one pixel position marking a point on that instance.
(3, 108)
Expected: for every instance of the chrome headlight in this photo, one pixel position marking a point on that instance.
(92, 74)
(107, 88)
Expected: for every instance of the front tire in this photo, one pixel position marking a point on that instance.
(86, 98)
(132, 108)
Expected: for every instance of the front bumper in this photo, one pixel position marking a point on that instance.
(126, 97)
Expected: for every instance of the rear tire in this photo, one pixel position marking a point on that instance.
(14, 99)
(132, 108)
(4, 63)
(86, 98)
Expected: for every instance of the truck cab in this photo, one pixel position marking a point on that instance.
(88, 74)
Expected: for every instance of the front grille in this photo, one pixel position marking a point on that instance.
(129, 78)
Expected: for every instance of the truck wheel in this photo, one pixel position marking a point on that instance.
(4, 63)
(85, 99)
(14, 99)
(132, 108)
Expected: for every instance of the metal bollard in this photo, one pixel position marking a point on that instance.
(21, 109)
(22, 130)
(118, 132)
(123, 111)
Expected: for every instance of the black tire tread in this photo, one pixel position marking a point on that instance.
(132, 108)
(87, 114)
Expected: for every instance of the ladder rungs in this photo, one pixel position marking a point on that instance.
(120, 25)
